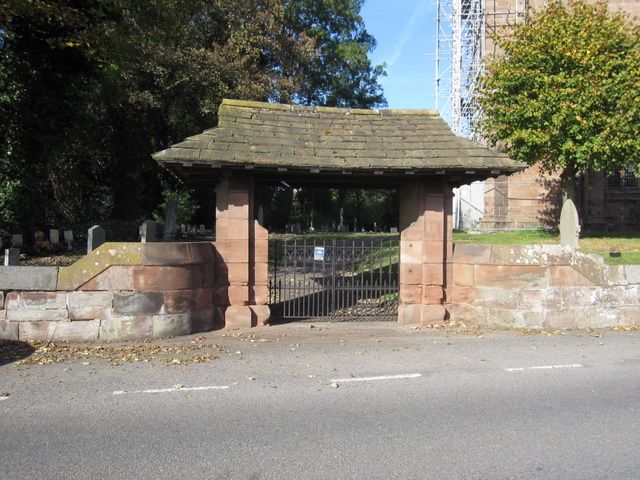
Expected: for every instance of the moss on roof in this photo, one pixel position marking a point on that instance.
(276, 135)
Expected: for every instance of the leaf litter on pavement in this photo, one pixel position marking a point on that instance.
(40, 353)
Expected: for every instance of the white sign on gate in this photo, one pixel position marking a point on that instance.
(318, 254)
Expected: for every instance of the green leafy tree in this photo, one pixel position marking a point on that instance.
(341, 74)
(186, 205)
(564, 91)
(88, 90)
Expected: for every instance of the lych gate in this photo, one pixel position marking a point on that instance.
(258, 144)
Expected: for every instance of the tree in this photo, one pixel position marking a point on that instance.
(341, 74)
(564, 91)
(89, 89)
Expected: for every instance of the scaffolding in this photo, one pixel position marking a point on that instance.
(464, 33)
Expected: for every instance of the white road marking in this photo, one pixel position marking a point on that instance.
(544, 367)
(173, 389)
(382, 377)
(4, 398)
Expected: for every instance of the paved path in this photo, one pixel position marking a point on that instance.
(335, 401)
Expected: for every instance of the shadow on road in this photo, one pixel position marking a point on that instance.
(14, 350)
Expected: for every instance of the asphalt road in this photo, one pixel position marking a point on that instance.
(298, 402)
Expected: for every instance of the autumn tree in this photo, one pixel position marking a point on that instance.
(564, 91)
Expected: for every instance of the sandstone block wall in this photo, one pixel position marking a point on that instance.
(120, 291)
(242, 246)
(541, 286)
(426, 228)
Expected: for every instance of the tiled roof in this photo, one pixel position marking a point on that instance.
(276, 135)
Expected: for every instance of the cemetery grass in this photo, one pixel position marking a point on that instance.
(601, 243)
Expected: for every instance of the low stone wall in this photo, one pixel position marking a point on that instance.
(541, 286)
(119, 291)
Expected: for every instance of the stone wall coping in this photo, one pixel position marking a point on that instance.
(590, 266)
(133, 254)
(28, 278)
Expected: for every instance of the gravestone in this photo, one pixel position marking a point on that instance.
(183, 229)
(68, 239)
(96, 236)
(11, 257)
(17, 240)
(201, 229)
(54, 236)
(148, 231)
(170, 212)
(393, 230)
(569, 225)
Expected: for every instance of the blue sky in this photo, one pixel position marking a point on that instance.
(405, 31)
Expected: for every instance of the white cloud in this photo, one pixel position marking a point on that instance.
(407, 32)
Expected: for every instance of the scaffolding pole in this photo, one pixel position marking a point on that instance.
(461, 46)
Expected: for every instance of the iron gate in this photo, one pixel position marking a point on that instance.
(347, 279)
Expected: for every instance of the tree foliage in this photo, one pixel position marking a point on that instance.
(341, 74)
(565, 90)
(89, 89)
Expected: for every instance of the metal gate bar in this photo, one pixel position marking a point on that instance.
(335, 278)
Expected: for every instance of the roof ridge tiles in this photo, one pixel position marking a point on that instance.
(322, 109)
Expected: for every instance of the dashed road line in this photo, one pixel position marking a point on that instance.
(371, 379)
(543, 367)
(173, 389)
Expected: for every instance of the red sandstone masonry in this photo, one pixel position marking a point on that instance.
(425, 241)
(242, 256)
(173, 297)
(541, 286)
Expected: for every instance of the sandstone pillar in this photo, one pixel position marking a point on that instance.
(241, 262)
(425, 246)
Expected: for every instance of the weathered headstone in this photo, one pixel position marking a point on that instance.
(17, 241)
(170, 212)
(11, 257)
(201, 228)
(148, 231)
(183, 229)
(96, 236)
(569, 225)
(68, 238)
(393, 230)
(54, 236)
